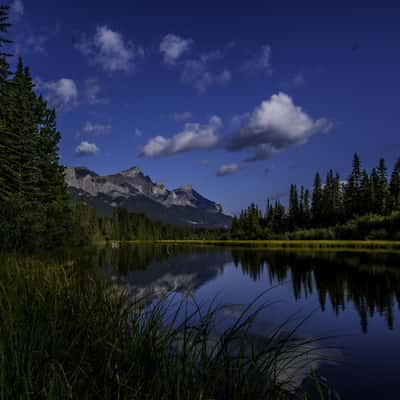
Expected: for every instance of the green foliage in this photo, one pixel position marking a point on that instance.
(35, 210)
(363, 207)
(124, 226)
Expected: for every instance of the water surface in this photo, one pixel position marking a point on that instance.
(353, 297)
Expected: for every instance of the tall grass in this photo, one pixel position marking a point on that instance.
(70, 335)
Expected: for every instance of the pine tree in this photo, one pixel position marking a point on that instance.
(316, 206)
(365, 194)
(338, 199)
(395, 187)
(383, 189)
(4, 55)
(293, 208)
(278, 214)
(7, 141)
(35, 209)
(306, 209)
(328, 216)
(352, 189)
(301, 216)
(374, 191)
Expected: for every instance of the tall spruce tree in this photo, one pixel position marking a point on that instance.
(352, 189)
(35, 209)
(395, 187)
(7, 142)
(383, 189)
(293, 217)
(365, 193)
(316, 205)
(306, 208)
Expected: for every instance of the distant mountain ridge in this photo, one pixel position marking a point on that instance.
(136, 192)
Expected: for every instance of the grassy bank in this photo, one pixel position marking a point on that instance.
(65, 334)
(333, 245)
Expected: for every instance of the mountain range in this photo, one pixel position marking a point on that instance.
(136, 192)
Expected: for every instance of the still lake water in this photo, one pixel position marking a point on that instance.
(354, 297)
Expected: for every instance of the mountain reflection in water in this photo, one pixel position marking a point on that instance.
(354, 297)
(369, 282)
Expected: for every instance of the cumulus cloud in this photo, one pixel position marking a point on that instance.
(200, 75)
(201, 71)
(17, 9)
(108, 49)
(172, 47)
(238, 119)
(228, 169)
(62, 94)
(261, 61)
(274, 125)
(92, 91)
(184, 116)
(95, 129)
(193, 137)
(263, 151)
(86, 149)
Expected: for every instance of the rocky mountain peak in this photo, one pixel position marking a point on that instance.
(137, 192)
(186, 188)
(132, 172)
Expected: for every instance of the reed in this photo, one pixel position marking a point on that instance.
(67, 334)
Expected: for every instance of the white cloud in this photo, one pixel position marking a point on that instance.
(193, 137)
(196, 74)
(172, 47)
(92, 91)
(262, 61)
(200, 71)
(228, 169)
(61, 94)
(95, 129)
(17, 9)
(184, 116)
(274, 125)
(109, 50)
(86, 149)
(263, 151)
(200, 74)
(238, 119)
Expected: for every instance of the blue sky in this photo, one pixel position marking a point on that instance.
(240, 101)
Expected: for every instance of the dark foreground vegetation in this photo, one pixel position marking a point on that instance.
(65, 334)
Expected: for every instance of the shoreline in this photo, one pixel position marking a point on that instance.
(293, 245)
